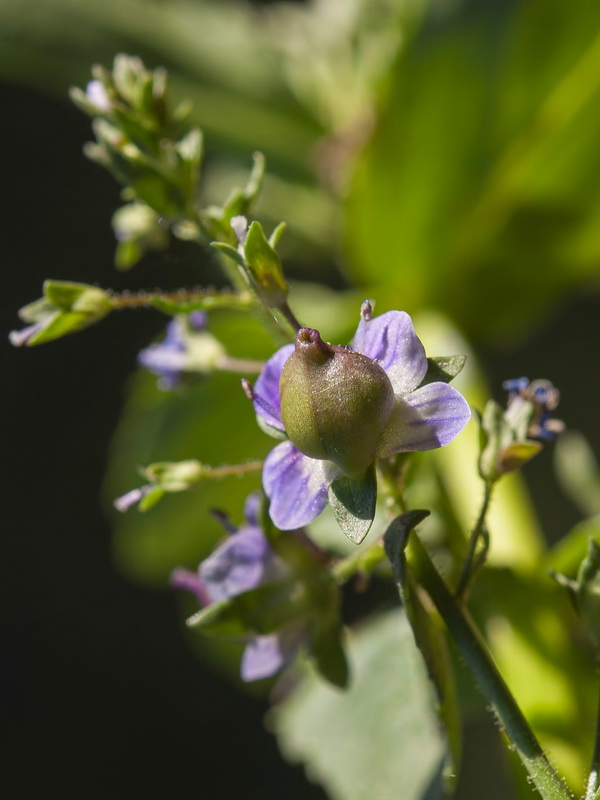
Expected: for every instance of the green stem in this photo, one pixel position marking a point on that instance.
(290, 317)
(485, 672)
(200, 298)
(468, 570)
(240, 366)
(364, 560)
(593, 784)
(226, 471)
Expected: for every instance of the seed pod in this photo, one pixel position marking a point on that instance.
(335, 403)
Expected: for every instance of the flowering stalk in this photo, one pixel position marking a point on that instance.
(183, 300)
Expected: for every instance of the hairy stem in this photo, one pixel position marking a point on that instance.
(198, 297)
(485, 672)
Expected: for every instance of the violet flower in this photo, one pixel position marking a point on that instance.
(241, 563)
(416, 417)
(169, 359)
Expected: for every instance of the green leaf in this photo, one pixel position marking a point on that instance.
(569, 552)
(428, 631)
(378, 740)
(443, 368)
(353, 501)
(265, 266)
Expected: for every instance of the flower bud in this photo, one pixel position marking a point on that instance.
(335, 402)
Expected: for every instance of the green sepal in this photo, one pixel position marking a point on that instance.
(443, 368)
(175, 476)
(265, 266)
(277, 234)
(353, 501)
(241, 200)
(67, 307)
(238, 203)
(491, 430)
(151, 498)
(517, 454)
(275, 433)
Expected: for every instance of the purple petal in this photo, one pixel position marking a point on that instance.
(237, 565)
(162, 359)
(189, 581)
(429, 417)
(198, 320)
(266, 655)
(130, 498)
(252, 507)
(296, 486)
(390, 339)
(19, 338)
(266, 389)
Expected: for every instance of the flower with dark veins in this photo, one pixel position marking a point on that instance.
(241, 563)
(341, 408)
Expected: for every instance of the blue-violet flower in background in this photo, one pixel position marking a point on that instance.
(341, 408)
(533, 402)
(241, 563)
(187, 347)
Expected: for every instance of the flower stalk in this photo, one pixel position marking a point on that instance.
(479, 533)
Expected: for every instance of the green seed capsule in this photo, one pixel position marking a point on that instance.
(335, 403)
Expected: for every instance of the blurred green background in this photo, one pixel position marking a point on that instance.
(440, 156)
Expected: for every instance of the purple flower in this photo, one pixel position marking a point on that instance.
(169, 358)
(241, 563)
(419, 417)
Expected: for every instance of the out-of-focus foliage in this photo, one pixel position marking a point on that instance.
(351, 740)
(440, 156)
(479, 191)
